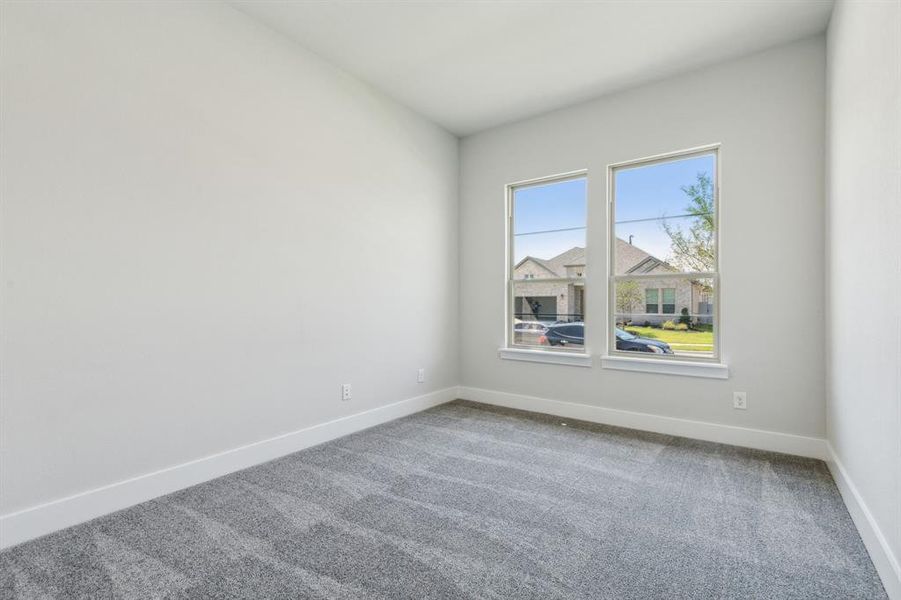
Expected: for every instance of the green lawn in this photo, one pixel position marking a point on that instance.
(680, 341)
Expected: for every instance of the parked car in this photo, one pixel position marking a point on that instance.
(632, 343)
(573, 334)
(564, 334)
(528, 332)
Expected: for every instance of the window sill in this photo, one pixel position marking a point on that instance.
(666, 367)
(546, 356)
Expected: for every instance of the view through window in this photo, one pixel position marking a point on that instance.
(664, 257)
(546, 287)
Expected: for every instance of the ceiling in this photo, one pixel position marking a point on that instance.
(471, 65)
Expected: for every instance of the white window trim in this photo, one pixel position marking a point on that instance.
(711, 370)
(552, 357)
(512, 351)
(676, 365)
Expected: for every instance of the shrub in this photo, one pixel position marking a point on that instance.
(669, 325)
(681, 327)
(685, 318)
(647, 323)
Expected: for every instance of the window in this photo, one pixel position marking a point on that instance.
(669, 301)
(545, 285)
(651, 302)
(664, 254)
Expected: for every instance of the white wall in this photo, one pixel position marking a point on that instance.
(864, 263)
(767, 110)
(206, 229)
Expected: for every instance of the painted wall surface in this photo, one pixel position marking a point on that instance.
(205, 231)
(767, 111)
(864, 257)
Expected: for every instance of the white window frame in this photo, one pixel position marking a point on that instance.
(564, 356)
(711, 366)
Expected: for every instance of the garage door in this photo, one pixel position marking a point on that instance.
(536, 308)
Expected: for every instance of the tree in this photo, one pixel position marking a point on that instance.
(694, 249)
(628, 296)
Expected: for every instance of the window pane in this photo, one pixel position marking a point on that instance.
(549, 263)
(538, 306)
(665, 217)
(549, 222)
(669, 301)
(683, 327)
(651, 301)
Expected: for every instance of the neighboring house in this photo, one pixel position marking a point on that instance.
(551, 290)
(554, 289)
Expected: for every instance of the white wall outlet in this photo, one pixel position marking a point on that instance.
(345, 392)
(420, 377)
(740, 400)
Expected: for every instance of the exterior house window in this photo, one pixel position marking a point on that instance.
(664, 246)
(545, 283)
(669, 301)
(651, 301)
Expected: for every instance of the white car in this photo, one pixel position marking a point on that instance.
(528, 333)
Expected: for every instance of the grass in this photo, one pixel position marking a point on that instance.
(680, 341)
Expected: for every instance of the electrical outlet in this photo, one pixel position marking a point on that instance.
(740, 400)
(345, 392)
(420, 377)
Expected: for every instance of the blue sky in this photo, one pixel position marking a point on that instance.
(649, 192)
(554, 206)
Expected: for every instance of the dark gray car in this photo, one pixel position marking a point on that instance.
(573, 334)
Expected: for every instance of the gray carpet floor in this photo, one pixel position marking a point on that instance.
(471, 501)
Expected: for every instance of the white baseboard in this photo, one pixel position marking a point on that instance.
(886, 563)
(700, 430)
(36, 521)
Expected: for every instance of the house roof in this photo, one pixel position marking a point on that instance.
(540, 262)
(556, 266)
(629, 259)
(632, 259)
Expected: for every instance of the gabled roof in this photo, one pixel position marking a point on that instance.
(556, 266)
(571, 258)
(632, 259)
(629, 259)
(540, 262)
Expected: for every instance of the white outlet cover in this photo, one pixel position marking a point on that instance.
(740, 400)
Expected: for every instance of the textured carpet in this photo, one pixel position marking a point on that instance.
(470, 501)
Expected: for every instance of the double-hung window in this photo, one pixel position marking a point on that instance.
(652, 300)
(664, 273)
(547, 262)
